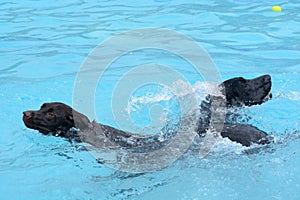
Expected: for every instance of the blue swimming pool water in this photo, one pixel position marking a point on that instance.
(43, 44)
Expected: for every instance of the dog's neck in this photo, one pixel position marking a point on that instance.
(81, 121)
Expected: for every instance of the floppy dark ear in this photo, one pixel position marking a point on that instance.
(69, 122)
(70, 118)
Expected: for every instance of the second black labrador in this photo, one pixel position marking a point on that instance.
(58, 118)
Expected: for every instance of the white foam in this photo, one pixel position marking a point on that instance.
(178, 89)
(292, 95)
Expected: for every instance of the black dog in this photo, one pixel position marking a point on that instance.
(58, 118)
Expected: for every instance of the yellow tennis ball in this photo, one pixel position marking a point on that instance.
(276, 8)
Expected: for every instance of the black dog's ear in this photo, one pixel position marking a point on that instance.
(234, 90)
(69, 122)
(70, 118)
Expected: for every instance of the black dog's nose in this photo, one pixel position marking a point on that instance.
(27, 113)
(267, 78)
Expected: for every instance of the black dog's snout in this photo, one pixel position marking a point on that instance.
(28, 114)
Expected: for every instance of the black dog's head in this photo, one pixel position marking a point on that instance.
(240, 91)
(53, 117)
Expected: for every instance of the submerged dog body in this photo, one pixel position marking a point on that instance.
(59, 118)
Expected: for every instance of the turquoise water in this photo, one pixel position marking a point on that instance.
(43, 44)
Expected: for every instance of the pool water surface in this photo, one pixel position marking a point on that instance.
(43, 45)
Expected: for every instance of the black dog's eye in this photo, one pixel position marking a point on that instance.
(50, 113)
